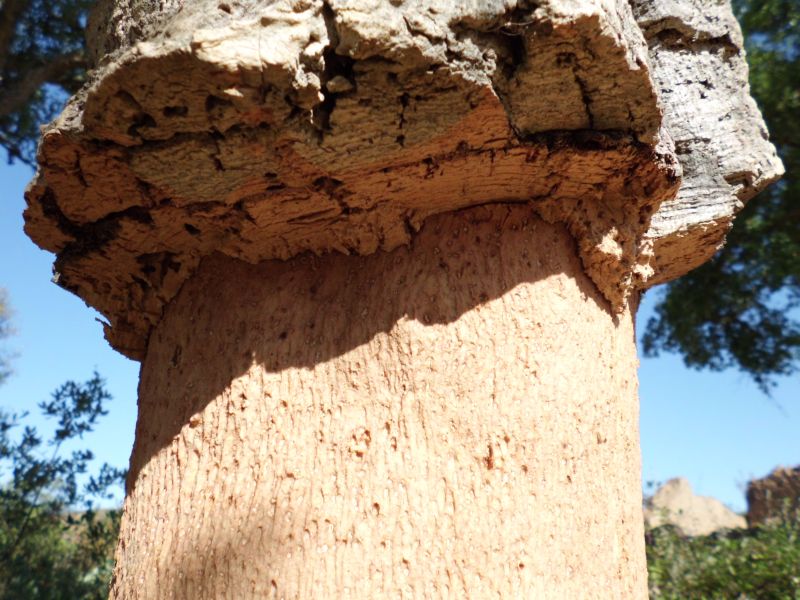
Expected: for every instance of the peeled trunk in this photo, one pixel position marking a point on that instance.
(456, 418)
(380, 261)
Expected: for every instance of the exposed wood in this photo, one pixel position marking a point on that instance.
(454, 419)
(380, 259)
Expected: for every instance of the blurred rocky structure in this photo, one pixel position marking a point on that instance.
(674, 503)
(772, 497)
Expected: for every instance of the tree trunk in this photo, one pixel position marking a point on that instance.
(453, 419)
(380, 260)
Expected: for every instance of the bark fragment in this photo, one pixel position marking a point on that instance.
(698, 64)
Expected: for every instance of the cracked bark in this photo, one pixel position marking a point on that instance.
(462, 92)
(698, 63)
(386, 254)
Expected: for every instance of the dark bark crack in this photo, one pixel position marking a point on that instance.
(676, 39)
(401, 121)
(569, 59)
(336, 66)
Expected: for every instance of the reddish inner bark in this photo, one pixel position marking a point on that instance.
(454, 417)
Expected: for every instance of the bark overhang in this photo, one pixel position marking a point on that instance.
(262, 130)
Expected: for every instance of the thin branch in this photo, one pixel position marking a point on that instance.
(15, 96)
(9, 15)
(14, 151)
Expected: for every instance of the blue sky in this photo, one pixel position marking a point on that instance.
(715, 429)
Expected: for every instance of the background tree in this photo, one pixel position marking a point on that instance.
(740, 309)
(762, 562)
(42, 57)
(53, 543)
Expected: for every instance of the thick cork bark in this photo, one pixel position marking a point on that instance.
(263, 129)
(453, 419)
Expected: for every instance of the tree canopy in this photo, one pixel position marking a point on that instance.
(738, 310)
(42, 58)
(4, 331)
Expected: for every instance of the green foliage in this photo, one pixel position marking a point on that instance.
(741, 309)
(42, 58)
(48, 551)
(762, 563)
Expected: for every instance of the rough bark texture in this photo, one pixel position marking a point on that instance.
(264, 129)
(699, 67)
(457, 418)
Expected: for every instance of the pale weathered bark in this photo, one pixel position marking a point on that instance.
(457, 418)
(720, 139)
(380, 260)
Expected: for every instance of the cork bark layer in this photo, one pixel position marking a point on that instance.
(699, 67)
(262, 130)
(457, 418)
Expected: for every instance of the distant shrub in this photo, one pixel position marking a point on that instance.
(53, 544)
(761, 563)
